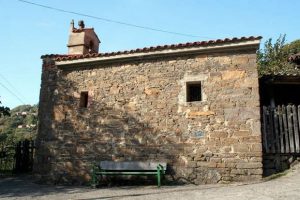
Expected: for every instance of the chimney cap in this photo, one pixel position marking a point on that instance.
(81, 24)
(72, 26)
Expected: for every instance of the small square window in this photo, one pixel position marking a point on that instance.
(84, 98)
(193, 91)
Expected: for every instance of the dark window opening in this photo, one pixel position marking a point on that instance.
(84, 97)
(193, 91)
(279, 94)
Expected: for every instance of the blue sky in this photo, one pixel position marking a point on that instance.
(28, 31)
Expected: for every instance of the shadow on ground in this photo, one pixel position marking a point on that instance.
(22, 186)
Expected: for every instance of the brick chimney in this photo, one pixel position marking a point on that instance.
(82, 40)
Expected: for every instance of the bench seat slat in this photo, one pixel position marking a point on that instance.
(130, 165)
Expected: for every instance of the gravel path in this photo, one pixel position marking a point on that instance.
(285, 187)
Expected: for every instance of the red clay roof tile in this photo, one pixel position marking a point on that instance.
(59, 57)
(78, 30)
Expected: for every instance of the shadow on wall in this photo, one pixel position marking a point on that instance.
(74, 137)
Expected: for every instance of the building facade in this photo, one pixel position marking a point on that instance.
(194, 106)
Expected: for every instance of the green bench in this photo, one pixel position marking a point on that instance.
(111, 168)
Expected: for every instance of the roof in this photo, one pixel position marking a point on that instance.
(281, 78)
(295, 58)
(289, 70)
(282, 74)
(65, 57)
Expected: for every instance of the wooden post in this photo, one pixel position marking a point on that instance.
(296, 130)
(276, 131)
(284, 118)
(298, 109)
(271, 136)
(265, 138)
(290, 128)
(281, 129)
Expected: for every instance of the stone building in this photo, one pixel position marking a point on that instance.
(193, 105)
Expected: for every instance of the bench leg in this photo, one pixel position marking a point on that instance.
(94, 178)
(158, 178)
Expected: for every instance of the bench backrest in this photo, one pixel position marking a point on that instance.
(131, 165)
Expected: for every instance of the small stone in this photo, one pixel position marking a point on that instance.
(208, 153)
(200, 113)
(226, 75)
(152, 91)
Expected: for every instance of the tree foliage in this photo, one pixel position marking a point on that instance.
(273, 58)
(20, 125)
(293, 47)
(4, 111)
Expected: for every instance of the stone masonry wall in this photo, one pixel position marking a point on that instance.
(138, 111)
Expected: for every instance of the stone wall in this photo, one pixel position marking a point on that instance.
(138, 111)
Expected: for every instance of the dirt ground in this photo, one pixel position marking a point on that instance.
(284, 187)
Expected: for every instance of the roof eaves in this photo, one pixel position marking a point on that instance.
(59, 57)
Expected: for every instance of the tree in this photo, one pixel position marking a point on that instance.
(273, 58)
(4, 111)
(18, 126)
(293, 47)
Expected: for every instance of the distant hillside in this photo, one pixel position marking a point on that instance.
(20, 125)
